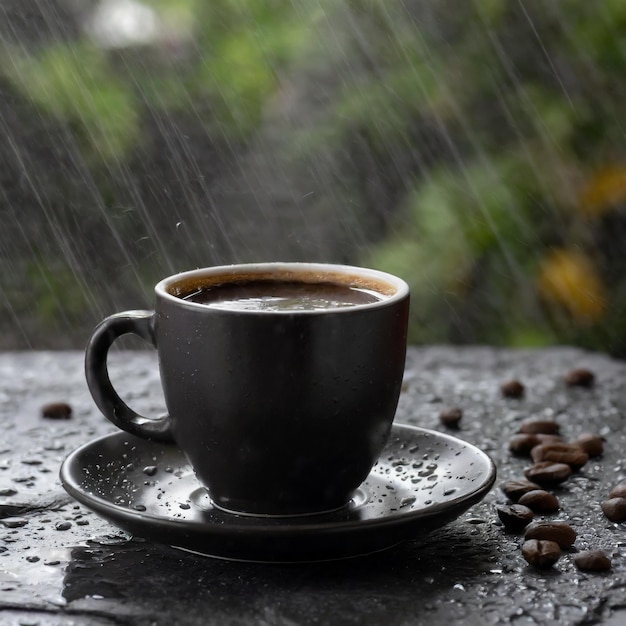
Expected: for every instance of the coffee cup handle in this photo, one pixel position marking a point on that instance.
(139, 323)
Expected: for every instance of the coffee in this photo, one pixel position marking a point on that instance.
(273, 295)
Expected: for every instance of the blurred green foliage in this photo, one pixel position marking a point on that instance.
(56, 292)
(495, 130)
(496, 238)
(76, 85)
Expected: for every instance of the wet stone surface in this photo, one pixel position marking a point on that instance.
(62, 564)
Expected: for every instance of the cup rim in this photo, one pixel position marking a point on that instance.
(397, 288)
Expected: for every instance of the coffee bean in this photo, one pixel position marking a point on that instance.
(540, 501)
(537, 453)
(451, 417)
(534, 427)
(514, 489)
(512, 389)
(592, 444)
(580, 377)
(619, 491)
(56, 411)
(592, 561)
(515, 516)
(545, 438)
(569, 454)
(541, 553)
(574, 459)
(615, 509)
(556, 530)
(548, 473)
(522, 443)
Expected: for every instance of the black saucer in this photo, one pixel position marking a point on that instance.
(422, 480)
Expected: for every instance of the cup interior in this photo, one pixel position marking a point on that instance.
(386, 287)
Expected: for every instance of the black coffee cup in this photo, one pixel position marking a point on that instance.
(281, 408)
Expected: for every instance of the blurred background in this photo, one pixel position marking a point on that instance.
(474, 148)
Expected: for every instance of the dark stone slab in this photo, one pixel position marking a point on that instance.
(60, 563)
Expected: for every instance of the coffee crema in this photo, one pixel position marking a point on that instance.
(273, 295)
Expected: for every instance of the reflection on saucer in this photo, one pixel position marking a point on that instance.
(422, 480)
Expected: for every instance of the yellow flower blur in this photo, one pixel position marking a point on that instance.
(603, 191)
(568, 279)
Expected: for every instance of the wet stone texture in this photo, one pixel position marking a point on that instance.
(61, 564)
